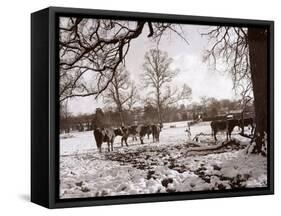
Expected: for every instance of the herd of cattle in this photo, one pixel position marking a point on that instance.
(108, 135)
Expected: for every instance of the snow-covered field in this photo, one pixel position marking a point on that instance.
(174, 164)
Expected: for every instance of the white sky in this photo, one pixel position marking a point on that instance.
(199, 75)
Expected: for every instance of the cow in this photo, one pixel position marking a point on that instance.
(143, 130)
(120, 132)
(224, 125)
(155, 132)
(247, 122)
(149, 132)
(128, 131)
(104, 135)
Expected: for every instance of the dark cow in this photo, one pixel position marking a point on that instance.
(231, 124)
(133, 132)
(104, 135)
(247, 122)
(219, 125)
(128, 131)
(120, 132)
(224, 125)
(143, 130)
(155, 132)
(149, 132)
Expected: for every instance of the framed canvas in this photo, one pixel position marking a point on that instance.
(139, 107)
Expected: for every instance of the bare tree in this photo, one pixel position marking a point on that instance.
(95, 48)
(157, 74)
(245, 51)
(121, 91)
(204, 102)
(133, 96)
(185, 93)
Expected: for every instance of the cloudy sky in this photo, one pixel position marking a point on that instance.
(199, 75)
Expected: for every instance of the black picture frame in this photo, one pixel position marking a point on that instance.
(45, 106)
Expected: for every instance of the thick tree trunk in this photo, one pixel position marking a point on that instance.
(159, 109)
(257, 40)
(120, 110)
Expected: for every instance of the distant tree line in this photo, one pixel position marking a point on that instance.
(207, 109)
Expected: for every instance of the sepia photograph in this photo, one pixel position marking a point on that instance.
(150, 107)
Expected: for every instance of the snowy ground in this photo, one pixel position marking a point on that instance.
(174, 164)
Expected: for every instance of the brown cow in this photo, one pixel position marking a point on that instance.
(128, 131)
(104, 135)
(224, 125)
(247, 122)
(143, 130)
(155, 132)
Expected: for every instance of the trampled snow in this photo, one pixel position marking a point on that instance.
(174, 164)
